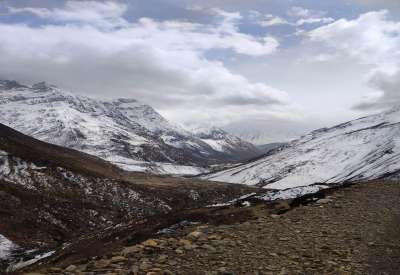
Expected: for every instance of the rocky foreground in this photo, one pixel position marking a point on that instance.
(353, 230)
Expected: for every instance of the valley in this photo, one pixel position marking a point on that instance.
(83, 181)
(212, 137)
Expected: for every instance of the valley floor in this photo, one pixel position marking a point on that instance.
(354, 230)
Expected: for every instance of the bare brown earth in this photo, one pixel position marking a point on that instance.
(354, 230)
(50, 195)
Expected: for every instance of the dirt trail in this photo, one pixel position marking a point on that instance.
(355, 230)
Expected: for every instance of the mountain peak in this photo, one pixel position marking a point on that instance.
(124, 131)
(43, 86)
(210, 132)
(10, 84)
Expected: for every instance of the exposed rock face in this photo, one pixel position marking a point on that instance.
(364, 149)
(124, 131)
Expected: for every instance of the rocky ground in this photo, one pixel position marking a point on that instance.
(353, 230)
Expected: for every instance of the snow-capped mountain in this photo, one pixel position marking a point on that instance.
(260, 131)
(364, 149)
(224, 142)
(124, 131)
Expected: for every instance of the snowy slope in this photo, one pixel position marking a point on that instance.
(363, 149)
(222, 141)
(124, 131)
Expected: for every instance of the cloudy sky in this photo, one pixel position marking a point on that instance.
(267, 68)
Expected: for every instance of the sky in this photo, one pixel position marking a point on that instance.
(259, 68)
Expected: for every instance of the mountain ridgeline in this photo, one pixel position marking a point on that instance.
(128, 133)
(363, 149)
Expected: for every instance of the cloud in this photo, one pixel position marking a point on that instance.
(323, 20)
(297, 17)
(306, 16)
(273, 21)
(163, 63)
(372, 39)
(389, 95)
(103, 14)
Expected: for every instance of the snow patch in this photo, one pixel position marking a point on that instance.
(292, 193)
(6, 247)
(22, 264)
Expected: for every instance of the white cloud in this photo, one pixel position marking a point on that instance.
(273, 21)
(297, 17)
(373, 39)
(323, 20)
(305, 16)
(104, 14)
(163, 63)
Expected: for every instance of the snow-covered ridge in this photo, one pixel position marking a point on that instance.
(125, 130)
(364, 149)
(224, 142)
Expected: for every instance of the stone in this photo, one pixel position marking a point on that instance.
(324, 201)
(82, 267)
(224, 271)
(145, 266)
(134, 269)
(150, 243)
(132, 250)
(118, 259)
(214, 237)
(172, 262)
(189, 247)
(71, 268)
(282, 207)
(195, 235)
(102, 263)
(179, 251)
(185, 242)
(209, 248)
(162, 258)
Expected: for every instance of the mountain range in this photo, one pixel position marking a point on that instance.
(363, 149)
(124, 131)
(71, 172)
